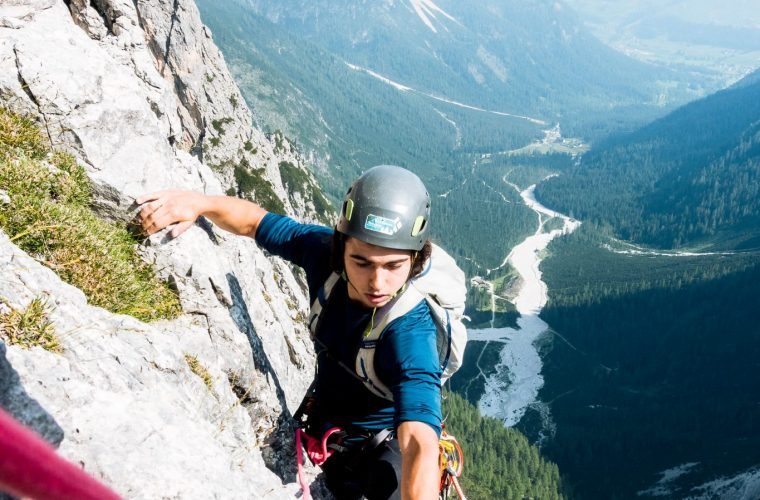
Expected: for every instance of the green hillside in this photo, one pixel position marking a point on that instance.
(529, 58)
(689, 179)
(654, 366)
(303, 68)
(355, 121)
(297, 85)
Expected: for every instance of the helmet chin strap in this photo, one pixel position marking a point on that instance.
(371, 323)
(345, 278)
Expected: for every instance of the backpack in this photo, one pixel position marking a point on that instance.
(442, 284)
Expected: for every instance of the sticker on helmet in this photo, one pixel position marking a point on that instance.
(382, 225)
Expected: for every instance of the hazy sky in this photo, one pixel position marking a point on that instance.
(744, 13)
(721, 37)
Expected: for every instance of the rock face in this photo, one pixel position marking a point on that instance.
(139, 93)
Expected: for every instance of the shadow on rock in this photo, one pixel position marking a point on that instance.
(279, 453)
(15, 400)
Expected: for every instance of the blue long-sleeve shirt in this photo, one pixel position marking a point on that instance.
(406, 358)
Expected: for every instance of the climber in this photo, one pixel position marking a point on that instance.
(379, 243)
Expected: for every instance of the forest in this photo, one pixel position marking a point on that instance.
(499, 462)
(691, 179)
(654, 364)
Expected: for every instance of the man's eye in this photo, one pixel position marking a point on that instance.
(393, 266)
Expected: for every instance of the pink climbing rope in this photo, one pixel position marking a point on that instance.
(31, 468)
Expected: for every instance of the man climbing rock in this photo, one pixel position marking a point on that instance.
(378, 245)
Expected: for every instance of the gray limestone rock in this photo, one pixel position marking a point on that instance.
(136, 90)
(133, 412)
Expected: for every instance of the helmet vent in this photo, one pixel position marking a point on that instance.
(419, 225)
(348, 209)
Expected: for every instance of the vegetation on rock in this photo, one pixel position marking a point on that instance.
(47, 215)
(30, 326)
(253, 186)
(297, 181)
(201, 371)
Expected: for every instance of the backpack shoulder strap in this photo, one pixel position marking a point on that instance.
(404, 302)
(323, 294)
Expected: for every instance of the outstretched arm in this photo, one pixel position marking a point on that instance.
(419, 461)
(164, 208)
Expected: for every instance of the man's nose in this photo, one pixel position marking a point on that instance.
(376, 278)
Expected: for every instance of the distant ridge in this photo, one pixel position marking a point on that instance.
(689, 179)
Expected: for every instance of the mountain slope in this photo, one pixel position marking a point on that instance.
(349, 114)
(531, 58)
(691, 178)
(433, 87)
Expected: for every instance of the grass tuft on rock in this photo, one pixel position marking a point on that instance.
(48, 217)
(29, 327)
(197, 368)
(20, 137)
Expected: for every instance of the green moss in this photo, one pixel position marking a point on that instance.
(214, 141)
(29, 327)
(49, 218)
(233, 101)
(248, 146)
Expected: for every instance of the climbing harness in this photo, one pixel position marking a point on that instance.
(319, 450)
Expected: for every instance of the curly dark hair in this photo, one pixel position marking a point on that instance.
(338, 248)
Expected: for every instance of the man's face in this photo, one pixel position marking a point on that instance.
(374, 273)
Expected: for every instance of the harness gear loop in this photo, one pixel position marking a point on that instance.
(451, 463)
(317, 450)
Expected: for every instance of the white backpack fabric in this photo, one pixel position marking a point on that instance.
(442, 285)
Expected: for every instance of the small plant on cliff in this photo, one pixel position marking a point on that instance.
(197, 368)
(279, 141)
(219, 124)
(30, 326)
(297, 181)
(253, 186)
(19, 136)
(48, 216)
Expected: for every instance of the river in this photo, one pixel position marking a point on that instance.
(514, 385)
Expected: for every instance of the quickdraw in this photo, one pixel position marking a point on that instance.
(451, 461)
